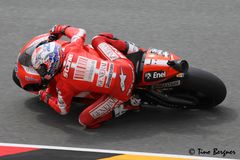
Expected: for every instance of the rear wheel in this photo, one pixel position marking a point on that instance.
(198, 89)
(207, 88)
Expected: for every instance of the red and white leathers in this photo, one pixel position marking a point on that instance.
(112, 75)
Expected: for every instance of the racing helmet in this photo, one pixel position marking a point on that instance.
(46, 59)
(24, 75)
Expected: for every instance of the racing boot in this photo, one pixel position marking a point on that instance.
(132, 105)
(99, 122)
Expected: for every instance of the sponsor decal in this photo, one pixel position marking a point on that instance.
(61, 103)
(30, 79)
(102, 73)
(117, 52)
(67, 65)
(154, 76)
(155, 62)
(85, 69)
(170, 84)
(30, 70)
(110, 75)
(122, 80)
(159, 52)
(103, 108)
(108, 51)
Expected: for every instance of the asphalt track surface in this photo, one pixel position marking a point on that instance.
(206, 33)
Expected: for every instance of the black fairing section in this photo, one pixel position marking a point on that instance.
(15, 79)
(25, 58)
(137, 59)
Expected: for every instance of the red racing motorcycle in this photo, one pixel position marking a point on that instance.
(162, 78)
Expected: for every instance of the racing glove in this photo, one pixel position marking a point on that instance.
(57, 32)
(44, 96)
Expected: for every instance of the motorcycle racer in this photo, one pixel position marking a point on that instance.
(74, 70)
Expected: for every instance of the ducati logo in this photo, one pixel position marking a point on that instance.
(122, 80)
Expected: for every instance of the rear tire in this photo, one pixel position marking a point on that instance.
(207, 88)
